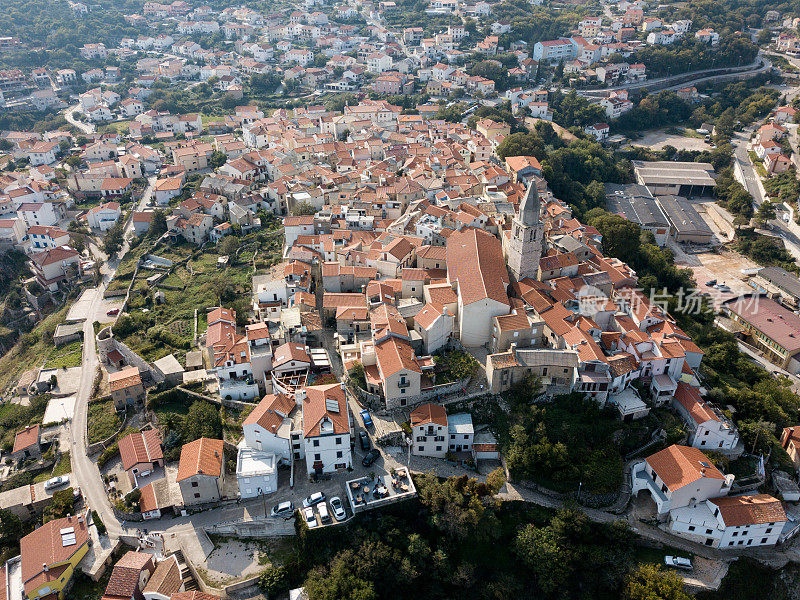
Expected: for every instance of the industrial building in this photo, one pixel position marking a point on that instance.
(664, 178)
(779, 284)
(635, 202)
(774, 329)
(686, 225)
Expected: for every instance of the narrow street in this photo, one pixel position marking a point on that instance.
(84, 127)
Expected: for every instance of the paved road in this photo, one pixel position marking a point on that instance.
(84, 127)
(751, 178)
(673, 82)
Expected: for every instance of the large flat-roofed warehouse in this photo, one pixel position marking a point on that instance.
(665, 177)
(637, 204)
(686, 225)
(775, 329)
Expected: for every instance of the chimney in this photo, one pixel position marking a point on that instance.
(300, 395)
(45, 568)
(444, 310)
(513, 347)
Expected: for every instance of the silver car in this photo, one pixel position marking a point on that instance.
(337, 508)
(55, 482)
(309, 517)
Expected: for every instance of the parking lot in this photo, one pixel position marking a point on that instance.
(658, 139)
(724, 266)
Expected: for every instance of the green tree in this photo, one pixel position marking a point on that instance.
(202, 420)
(766, 213)
(229, 244)
(273, 581)
(649, 582)
(338, 582)
(112, 242)
(304, 208)
(158, 226)
(217, 159)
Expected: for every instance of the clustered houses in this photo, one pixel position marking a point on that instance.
(312, 424)
(695, 499)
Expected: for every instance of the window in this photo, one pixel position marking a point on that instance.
(544, 371)
(438, 448)
(763, 540)
(317, 457)
(735, 533)
(452, 436)
(769, 530)
(194, 484)
(691, 527)
(338, 440)
(315, 443)
(708, 532)
(420, 448)
(339, 454)
(196, 495)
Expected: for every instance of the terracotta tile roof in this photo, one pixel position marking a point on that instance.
(394, 355)
(290, 352)
(194, 595)
(427, 315)
(475, 260)
(45, 546)
(54, 255)
(271, 412)
(166, 579)
(678, 466)
(690, 399)
(26, 438)
(622, 363)
(429, 413)
(140, 447)
(335, 300)
(125, 378)
(155, 495)
(124, 579)
(222, 314)
(515, 321)
(315, 409)
(751, 509)
(201, 457)
(442, 294)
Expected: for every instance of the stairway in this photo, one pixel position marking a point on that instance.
(189, 582)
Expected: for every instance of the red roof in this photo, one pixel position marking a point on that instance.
(140, 447)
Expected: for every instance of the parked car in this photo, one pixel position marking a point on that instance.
(711, 283)
(363, 439)
(55, 482)
(370, 457)
(310, 517)
(314, 498)
(324, 515)
(284, 509)
(678, 562)
(366, 418)
(113, 312)
(338, 508)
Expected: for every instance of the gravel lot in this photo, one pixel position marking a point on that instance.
(659, 138)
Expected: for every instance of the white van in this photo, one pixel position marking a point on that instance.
(324, 515)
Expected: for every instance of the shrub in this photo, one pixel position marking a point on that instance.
(98, 522)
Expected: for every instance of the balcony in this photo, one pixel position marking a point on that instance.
(403, 383)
